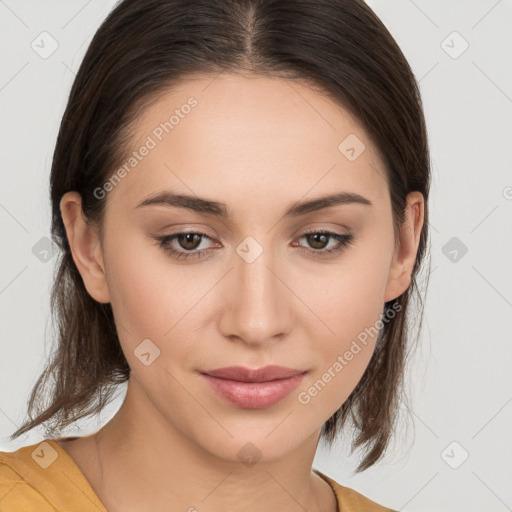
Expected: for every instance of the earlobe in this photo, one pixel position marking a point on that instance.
(85, 246)
(404, 257)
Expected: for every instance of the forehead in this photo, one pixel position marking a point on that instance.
(225, 134)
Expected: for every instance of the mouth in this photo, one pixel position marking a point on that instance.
(253, 388)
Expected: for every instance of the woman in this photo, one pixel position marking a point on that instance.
(239, 190)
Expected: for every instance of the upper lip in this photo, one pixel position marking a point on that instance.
(263, 374)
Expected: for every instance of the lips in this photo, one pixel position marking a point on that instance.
(253, 388)
(264, 374)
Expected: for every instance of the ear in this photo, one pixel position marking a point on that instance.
(86, 250)
(405, 254)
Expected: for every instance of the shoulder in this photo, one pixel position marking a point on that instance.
(42, 477)
(17, 476)
(349, 500)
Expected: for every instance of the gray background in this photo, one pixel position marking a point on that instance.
(460, 389)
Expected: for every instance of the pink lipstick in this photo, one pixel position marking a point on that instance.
(254, 388)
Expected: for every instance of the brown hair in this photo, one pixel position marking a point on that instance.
(143, 48)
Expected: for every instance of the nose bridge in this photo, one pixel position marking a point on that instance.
(258, 310)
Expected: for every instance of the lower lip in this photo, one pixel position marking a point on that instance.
(254, 395)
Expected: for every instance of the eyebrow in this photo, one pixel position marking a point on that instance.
(210, 207)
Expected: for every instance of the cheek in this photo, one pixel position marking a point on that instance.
(139, 281)
(349, 300)
(341, 358)
(348, 297)
(153, 298)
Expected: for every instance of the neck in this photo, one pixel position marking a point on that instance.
(144, 462)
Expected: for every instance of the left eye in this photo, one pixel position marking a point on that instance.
(189, 241)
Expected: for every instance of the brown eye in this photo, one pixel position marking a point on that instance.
(183, 245)
(317, 240)
(189, 241)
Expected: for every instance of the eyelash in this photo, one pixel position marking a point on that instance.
(343, 242)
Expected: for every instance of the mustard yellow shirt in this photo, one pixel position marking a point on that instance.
(43, 477)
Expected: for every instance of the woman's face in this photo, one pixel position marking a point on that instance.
(252, 288)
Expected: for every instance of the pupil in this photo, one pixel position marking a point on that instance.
(316, 237)
(188, 240)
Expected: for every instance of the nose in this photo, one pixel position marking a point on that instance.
(257, 309)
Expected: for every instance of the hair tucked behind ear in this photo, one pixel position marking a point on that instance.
(145, 47)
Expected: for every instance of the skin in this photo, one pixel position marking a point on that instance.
(259, 145)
